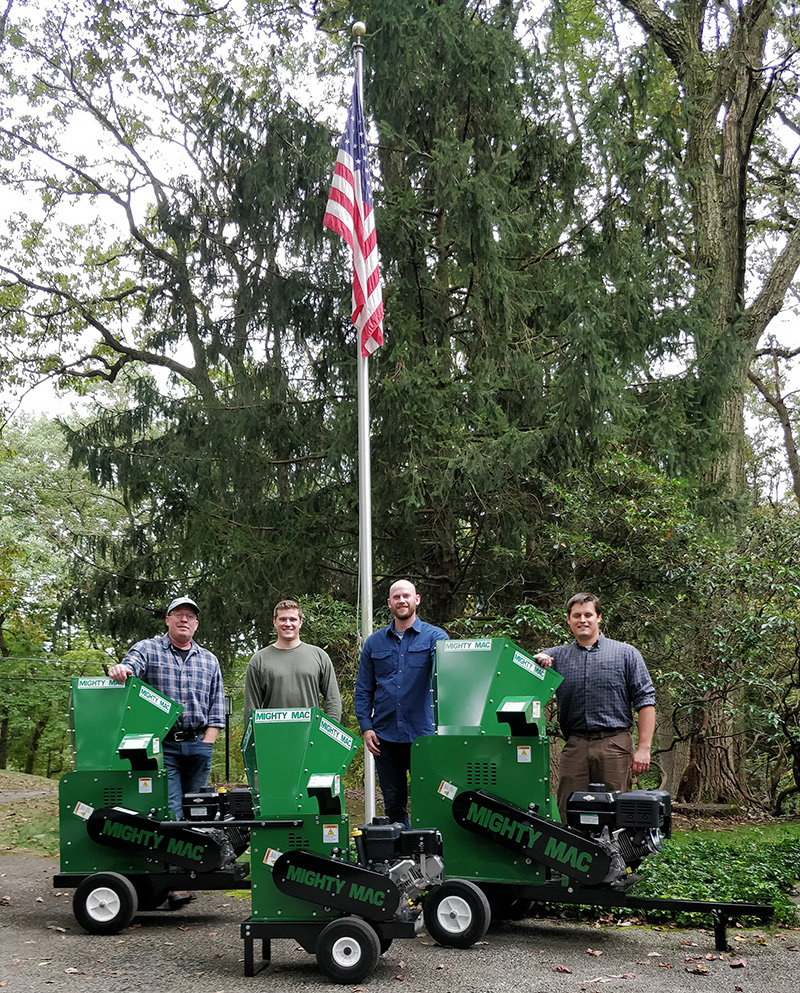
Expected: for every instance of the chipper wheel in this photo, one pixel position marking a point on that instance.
(456, 913)
(105, 903)
(348, 950)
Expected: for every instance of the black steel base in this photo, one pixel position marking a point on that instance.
(305, 934)
(152, 887)
(720, 913)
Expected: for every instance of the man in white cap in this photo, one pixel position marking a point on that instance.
(175, 665)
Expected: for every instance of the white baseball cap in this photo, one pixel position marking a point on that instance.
(183, 601)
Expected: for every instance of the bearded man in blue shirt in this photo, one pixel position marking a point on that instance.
(393, 694)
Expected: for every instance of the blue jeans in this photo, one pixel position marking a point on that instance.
(392, 766)
(188, 764)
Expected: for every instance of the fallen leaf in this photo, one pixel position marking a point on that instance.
(5, 901)
(693, 943)
(740, 937)
(664, 965)
(54, 927)
(562, 968)
(40, 899)
(738, 963)
(653, 955)
(698, 970)
(74, 972)
(710, 957)
(593, 951)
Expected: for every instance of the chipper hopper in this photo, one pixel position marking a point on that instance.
(484, 780)
(120, 847)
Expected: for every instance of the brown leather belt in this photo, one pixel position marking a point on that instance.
(596, 735)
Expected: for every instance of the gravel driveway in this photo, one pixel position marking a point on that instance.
(199, 949)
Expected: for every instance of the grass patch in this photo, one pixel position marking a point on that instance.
(28, 822)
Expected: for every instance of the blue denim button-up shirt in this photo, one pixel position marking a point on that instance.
(393, 688)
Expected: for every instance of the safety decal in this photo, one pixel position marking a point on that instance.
(83, 810)
(523, 753)
(146, 785)
(271, 856)
(448, 790)
(330, 834)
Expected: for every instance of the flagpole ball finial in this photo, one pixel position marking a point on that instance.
(359, 29)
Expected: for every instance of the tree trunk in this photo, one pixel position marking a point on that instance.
(38, 731)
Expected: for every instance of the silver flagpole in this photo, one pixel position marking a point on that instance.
(364, 479)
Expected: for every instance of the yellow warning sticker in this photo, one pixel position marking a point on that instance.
(330, 834)
(447, 790)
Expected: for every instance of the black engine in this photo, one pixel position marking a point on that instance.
(635, 824)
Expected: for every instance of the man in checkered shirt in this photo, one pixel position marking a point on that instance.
(604, 682)
(176, 666)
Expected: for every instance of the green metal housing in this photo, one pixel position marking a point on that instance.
(489, 699)
(116, 731)
(295, 761)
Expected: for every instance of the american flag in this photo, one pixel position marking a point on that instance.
(349, 213)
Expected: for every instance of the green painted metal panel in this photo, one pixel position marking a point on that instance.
(473, 678)
(79, 793)
(516, 769)
(284, 749)
(318, 834)
(103, 712)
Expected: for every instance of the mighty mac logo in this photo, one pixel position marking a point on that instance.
(157, 701)
(466, 646)
(281, 716)
(336, 733)
(528, 665)
(99, 683)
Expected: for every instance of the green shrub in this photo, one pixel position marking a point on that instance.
(757, 871)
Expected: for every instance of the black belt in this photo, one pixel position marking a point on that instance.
(185, 734)
(596, 735)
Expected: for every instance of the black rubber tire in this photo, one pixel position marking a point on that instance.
(457, 913)
(105, 903)
(348, 950)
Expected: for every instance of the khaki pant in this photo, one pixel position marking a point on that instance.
(596, 760)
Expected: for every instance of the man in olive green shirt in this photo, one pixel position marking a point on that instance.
(290, 673)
